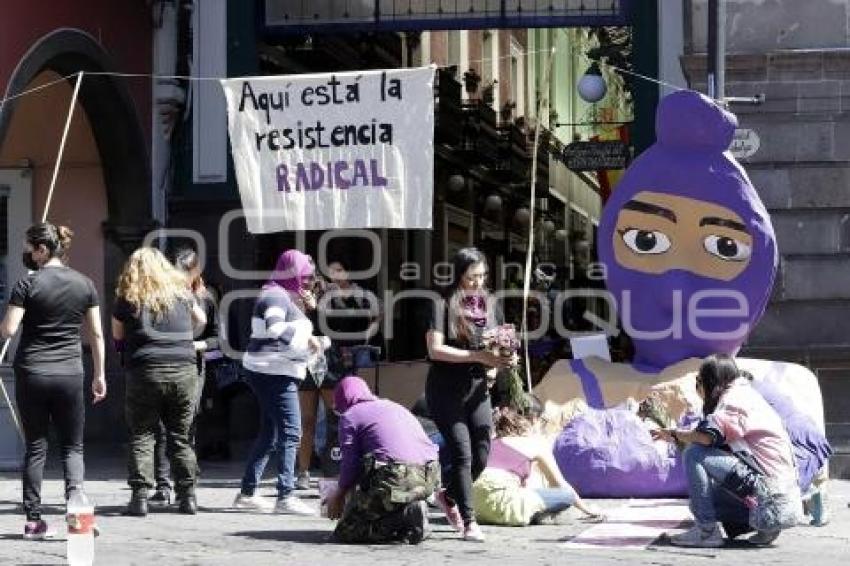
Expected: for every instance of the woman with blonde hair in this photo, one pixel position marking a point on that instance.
(206, 347)
(153, 318)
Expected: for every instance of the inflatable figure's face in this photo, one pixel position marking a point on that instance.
(658, 232)
(688, 247)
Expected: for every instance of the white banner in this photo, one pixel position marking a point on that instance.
(341, 150)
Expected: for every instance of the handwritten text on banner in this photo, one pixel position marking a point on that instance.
(342, 150)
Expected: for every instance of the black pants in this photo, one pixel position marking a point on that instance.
(42, 399)
(461, 409)
(213, 438)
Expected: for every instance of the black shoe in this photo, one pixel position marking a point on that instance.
(138, 506)
(416, 518)
(161, 497)
(187, 505)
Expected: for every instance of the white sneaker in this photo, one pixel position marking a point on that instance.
(291, 505)
(254, 503)
(473, 533)
(700, 537)
(302, 482)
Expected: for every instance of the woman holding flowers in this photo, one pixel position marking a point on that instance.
(456, 391)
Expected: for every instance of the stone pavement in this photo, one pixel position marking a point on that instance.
(218, 535)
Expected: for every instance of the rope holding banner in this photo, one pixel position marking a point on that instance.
(62, 145)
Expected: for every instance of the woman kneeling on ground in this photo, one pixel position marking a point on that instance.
(389, 466)
(739, 462)
(504, 495)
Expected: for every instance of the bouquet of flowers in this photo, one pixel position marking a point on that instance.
(503, 341)
(652, 408)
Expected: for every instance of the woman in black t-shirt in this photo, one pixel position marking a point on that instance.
(154, 317)
(50, 306)
(456, 390)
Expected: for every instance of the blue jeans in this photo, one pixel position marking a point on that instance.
(440, 443)
(707, 469)
(556, 499)
(280, 425)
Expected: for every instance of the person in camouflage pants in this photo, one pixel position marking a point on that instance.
(163, 393)
(388, 467)
(377, 509)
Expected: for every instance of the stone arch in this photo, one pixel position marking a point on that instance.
(115, 123)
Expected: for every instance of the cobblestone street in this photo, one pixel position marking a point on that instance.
(218, 535)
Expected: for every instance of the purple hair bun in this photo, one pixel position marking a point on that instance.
(688, 119)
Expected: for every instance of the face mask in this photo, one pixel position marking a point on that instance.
(29, 262)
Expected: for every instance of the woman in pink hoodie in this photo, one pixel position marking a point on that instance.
(739, 461)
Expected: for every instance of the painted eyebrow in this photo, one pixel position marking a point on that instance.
(725, 222)
(649, 208)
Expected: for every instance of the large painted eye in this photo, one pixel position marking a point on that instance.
(646, 241)
(727, 248)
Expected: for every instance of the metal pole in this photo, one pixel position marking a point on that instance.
(716, 77)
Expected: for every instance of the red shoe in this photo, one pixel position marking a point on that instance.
(450, 511)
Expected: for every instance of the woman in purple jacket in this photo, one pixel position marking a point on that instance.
(389, 466)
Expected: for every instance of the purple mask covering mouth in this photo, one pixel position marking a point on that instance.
(292, 271)
(689, 160)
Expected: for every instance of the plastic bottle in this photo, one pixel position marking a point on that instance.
(317, 364)
(80, 519)
(318, 368)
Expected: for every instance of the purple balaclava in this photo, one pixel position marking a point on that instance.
(292, 269)
(690, 160)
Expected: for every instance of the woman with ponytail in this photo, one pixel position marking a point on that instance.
(50, 306)
(739, 461)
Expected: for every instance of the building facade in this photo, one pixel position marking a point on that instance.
(103, 186)
(145, 152)
(488, 88)
(796, 54)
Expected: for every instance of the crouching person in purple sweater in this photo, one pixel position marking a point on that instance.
(389, 466)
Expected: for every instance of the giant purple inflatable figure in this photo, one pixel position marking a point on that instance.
(690, 257)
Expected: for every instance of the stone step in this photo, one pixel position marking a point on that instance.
(839, 466)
